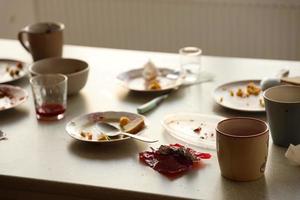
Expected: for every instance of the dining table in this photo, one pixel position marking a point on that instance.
(39, 160)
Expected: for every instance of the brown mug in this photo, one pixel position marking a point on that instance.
(44, 39)
(242, 148)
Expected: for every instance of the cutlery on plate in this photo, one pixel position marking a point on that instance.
(111, 130)
(153, 103)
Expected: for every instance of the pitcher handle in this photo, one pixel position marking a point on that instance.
(22, 41)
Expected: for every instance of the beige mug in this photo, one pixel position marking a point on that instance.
(242, 148)
(44, 39)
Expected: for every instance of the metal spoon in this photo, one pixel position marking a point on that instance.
(111, 131)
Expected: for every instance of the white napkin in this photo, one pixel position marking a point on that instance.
(150, 71)
(293, 154)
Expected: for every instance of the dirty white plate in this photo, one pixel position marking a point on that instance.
(11, 96)
(11, 70)
(134, 80)
(193, 128)
(88, 122)
(222, 96)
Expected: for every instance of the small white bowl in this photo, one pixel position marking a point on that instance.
(75, 70)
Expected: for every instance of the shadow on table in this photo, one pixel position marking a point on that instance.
(12, 115)
(142, 97)
(243, 190)
(107, 151)
(77, 104)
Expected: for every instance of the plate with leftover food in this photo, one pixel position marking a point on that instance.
(11, 70)
(85, 128)
(151, 79)
(193, 128)
(245, 95)
(11, 96)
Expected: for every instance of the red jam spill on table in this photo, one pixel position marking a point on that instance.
(173, 159)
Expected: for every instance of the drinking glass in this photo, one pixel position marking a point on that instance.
(190, 62)
(50, 96)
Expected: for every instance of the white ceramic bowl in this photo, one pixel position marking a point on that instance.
(75, 70)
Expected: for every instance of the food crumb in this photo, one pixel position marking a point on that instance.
(221, 99)
(124, 121)
(82, 134)
(197, 130)
(231, 93)
(102, 137)
(154, 85)
(89, 136)
(252, 89)
(240, 93)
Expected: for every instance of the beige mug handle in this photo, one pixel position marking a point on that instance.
(22, 41)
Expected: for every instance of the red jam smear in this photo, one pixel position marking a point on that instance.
(173, 159)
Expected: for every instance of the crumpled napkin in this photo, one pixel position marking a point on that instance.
(293, 154)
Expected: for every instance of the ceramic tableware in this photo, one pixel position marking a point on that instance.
(226, 96)
(85, 128)
(134, 80)
(43, 40)
(11, 96)
(76, 71)
(242, 148)
(283, 113)
(193, 128)
(12, 70)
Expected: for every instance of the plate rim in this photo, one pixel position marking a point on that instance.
(103, 141)
(233, 108)
(15, 60)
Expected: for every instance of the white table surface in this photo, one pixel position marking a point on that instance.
(40, 158)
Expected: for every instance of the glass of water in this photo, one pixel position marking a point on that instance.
(190, 62)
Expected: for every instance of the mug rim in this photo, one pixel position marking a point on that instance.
(59, 24)
(242, 136)
(278, 101)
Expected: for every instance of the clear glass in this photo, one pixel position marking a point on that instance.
(50, 96)
(190, 62)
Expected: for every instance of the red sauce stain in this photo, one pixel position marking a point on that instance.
(173, 160)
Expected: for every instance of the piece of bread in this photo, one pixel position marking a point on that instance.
(134, 126)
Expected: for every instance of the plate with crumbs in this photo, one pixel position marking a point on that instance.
(84, 127)
(11, 96)
(12, 70)
(166, 80)
(244, 95)
(193, 128)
